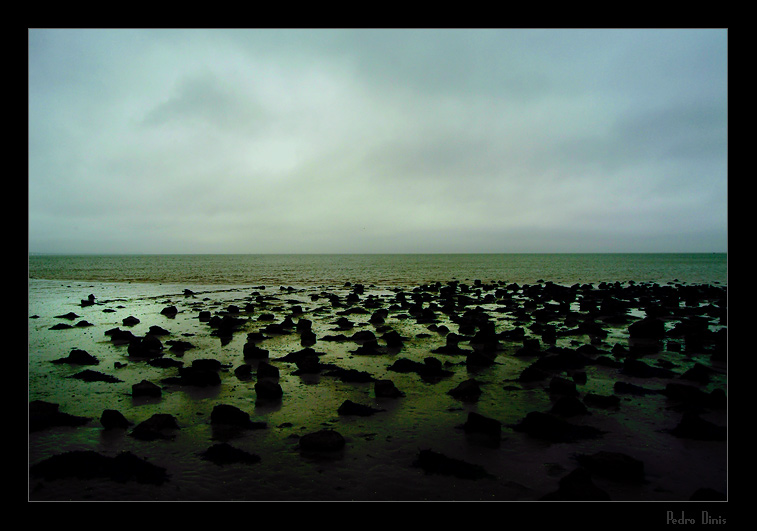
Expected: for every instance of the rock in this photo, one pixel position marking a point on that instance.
(225, 454)
(647, 328)
(130, 321)
(207, 364)
(467, 391)
(88, 464)
(562, 386)
(349, 407)
(639, 369)
(120, 337)
(70, 316)
(158, 426)
(79, 357)
(146, 388)
(692, 426)
(145, 347)
(44, 415)
(477, 423)
(577, 486)
(268, 390)
(350, 375)
(603, 401)
(386, 389)
(569, 406)
(322, 441)
(61, 326)
(169, 311)
(252, 351)
(436, 463)
(112, 419)
(632, 389)
(266, 370)
(243, 372)
(554, 429)
(233, 416)
(613, 465)
(89, 375)
(158, 331)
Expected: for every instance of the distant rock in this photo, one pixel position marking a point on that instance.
(349, 407)
(146, 388)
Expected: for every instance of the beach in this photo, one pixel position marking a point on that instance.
(564, 381)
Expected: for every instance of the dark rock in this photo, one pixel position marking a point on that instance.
(386, 389)
(613, 465)
(349, 407)
(146, 388)
(533, 374)
(145, 347)
(268, 390)
(112, 419)
(603, 401)
(44, 415)
(61, 326)
(252, 351)
(207, 364)
(436, 463)
(88, 464)
(70, 316)
(350, 375)
(698, 373)
(639, 369)
(549, 427)
(477, 423)
(647, 328)
(120, 337)
(467, 391)
(233, 416)
(243, 372)
(692, 426)
(89, 375)
(158, 426)
(158, 331)
(130, 321)
(266, 370)
(633, 389)
(79, 357)
(562, 386)
(569, 406)
(322, 441)
(225, 454)
(577, 486)
(164, 363)
(169, 311)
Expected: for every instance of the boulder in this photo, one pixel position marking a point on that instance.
(146, 388)
(225, 454)
(88, 464)
(112, 419)
(78, 357)
(322, 441)
(158, 426)
(233, 416)
(386, 389)
(268, 390)
(613, 465)
(467, 391)
(44, 415)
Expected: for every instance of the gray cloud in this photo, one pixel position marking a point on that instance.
(377, 140)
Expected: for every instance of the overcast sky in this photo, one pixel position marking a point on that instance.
(368, 140)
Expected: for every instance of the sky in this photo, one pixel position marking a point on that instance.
(377, 140)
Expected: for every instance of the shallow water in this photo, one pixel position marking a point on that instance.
(377, 462)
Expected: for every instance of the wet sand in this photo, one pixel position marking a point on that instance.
(580, 333)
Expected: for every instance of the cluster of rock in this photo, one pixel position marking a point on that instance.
(676, 319)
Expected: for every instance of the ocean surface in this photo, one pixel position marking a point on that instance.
(382, 269)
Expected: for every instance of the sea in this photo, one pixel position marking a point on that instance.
(300, 270)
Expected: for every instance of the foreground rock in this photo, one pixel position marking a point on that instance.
(225, 454)
(549, 427)
(88, 464)
(436, 463)
(322, 441)
(159, 426)
(44, 415)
